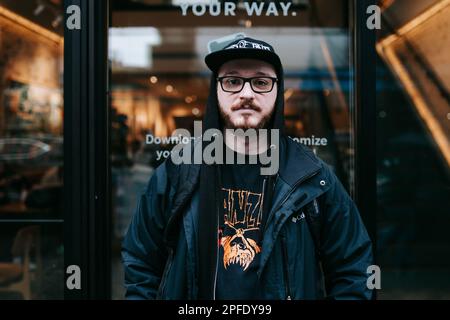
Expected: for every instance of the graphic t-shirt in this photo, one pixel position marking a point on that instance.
(240, 232)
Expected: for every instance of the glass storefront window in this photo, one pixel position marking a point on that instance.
(413, 150)
(31, 150)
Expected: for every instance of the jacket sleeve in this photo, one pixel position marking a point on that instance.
(346, 248)
(143, 251)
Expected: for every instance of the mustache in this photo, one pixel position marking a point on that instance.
(245, 105)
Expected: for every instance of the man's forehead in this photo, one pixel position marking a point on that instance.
(246, 66)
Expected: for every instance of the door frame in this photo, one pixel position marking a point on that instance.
(87, 231)
(364, 64)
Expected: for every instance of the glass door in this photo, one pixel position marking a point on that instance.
(413, 149)
(159, 83)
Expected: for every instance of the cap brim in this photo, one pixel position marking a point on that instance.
(216, 59)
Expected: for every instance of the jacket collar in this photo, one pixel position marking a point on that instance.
(297, 162)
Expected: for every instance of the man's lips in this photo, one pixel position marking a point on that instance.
(246, 111)
(246, 108)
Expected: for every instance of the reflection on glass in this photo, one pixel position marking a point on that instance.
(31, 262)
(412, 55)
(413, 167)
(31, 150)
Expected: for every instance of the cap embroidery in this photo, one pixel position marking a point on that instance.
(248, 44)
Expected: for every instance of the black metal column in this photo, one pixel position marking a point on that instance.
(86, 156)
(365, 115)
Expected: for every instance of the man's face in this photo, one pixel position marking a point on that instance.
(246, 109)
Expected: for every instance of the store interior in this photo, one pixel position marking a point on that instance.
(31, 149)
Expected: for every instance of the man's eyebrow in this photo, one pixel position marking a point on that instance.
(231, 73)
(260, 73)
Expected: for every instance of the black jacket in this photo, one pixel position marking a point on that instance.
(159, 250)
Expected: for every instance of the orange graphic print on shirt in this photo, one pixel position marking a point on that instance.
(242, 218)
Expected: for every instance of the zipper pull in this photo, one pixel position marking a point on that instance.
(264, 185)
(275, 183)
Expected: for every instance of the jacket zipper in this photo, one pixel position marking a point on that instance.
(166, 271)
(264, 197)
(264, 185)
(286, 268)
(288, 195)
(275, 183)
(217, 255)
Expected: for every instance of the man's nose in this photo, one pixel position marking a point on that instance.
(247, 92)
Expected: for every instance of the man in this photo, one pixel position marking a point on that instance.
(224, 231)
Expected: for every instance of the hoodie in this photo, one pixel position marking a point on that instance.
(210, 174)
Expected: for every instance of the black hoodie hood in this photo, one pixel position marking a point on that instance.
(246, 48)
(212, 120)
(210, 180)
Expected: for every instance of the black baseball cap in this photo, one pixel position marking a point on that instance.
(245, 48)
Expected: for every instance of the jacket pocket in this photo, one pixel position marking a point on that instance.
(162, 285)
(284, 250)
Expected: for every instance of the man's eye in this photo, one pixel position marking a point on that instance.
(233, 81)
(261, 82)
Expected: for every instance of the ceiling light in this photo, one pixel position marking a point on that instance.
(57, 21)
(39, 9)
(153, 79)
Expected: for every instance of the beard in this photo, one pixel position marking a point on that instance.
(244, 122)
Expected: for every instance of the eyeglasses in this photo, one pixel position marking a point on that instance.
(236, 84)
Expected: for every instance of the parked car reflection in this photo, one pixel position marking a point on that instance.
(22, 148)
(31, 177)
